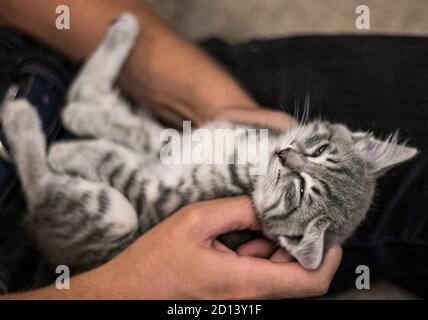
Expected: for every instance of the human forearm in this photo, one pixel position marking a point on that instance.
(83, 286)
(165, 72)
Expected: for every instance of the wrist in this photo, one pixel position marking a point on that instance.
(177, 80)
(259, 116)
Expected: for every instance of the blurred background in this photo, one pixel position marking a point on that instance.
(243, 20)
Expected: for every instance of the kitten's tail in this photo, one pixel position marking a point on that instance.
(27, 144)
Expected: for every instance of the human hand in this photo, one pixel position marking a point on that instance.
(257, 115)
(181, 259)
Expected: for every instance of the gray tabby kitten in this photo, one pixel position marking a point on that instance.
(89, 199)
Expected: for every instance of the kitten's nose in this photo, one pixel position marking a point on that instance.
(283, 154)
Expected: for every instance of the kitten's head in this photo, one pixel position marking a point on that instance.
(319, 186)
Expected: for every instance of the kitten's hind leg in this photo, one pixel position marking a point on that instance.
(76, 222)
(107, 162)
(81, 223)
(91, 159)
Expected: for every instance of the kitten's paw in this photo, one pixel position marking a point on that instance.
(124, 28)
(84, 119)
(74, 159)
(20, 118)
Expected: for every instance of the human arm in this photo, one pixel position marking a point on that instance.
(171, 76)
(181, 259)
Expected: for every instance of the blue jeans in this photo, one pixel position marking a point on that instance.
(42, 77)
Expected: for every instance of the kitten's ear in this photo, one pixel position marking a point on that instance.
(309, 251)
(382, 155)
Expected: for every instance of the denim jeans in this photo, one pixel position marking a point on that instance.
(42, 77)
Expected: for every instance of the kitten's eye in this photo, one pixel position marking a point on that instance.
(302, 188)
(320, 151)
(293, 238)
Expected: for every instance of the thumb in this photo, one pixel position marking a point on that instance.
(216, 217)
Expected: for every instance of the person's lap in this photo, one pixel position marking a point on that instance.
(369, 83)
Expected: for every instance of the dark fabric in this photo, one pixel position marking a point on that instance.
(19, 56)
(42, 77)
(10, 46)
(369, 83)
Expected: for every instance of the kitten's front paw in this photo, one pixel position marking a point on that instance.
(123, 28)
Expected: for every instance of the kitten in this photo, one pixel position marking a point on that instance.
(89, 199)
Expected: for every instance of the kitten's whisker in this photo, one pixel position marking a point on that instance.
(305, 116)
